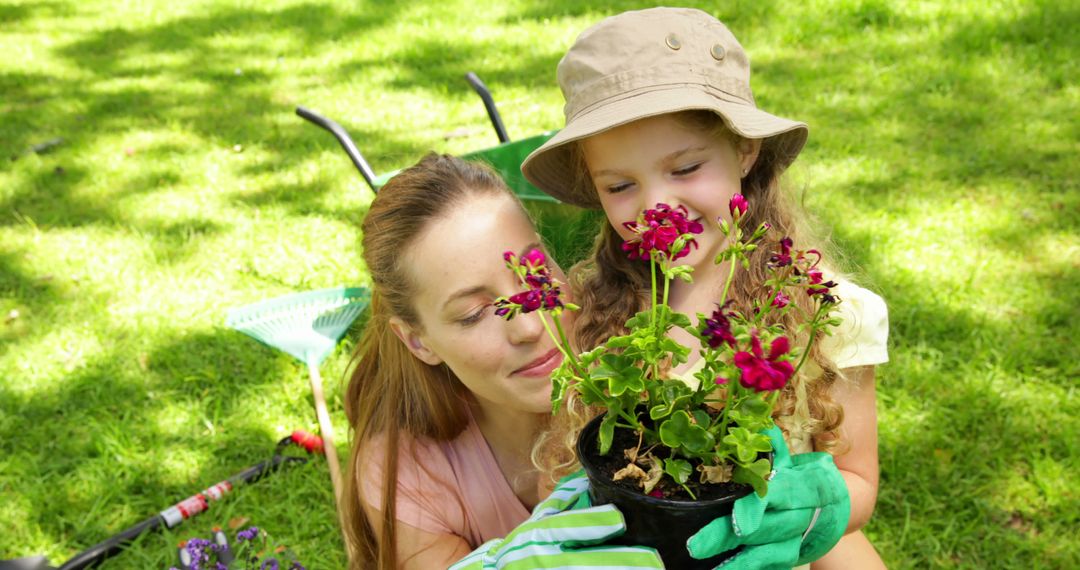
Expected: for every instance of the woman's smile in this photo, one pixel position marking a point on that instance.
(541, 366)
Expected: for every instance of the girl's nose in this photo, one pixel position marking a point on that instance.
(657, 192)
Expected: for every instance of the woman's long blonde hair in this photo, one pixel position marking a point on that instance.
(611, 288)
(392, 394)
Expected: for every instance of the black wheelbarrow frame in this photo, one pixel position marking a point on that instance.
(567, 231)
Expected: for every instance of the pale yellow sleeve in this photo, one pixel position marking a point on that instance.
(862, 337)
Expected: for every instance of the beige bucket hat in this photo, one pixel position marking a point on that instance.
(650, 62)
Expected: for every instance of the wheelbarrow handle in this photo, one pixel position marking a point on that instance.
(346, 143)
(489, 104)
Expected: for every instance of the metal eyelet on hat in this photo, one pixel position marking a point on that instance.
(718, 52)
(673, 42)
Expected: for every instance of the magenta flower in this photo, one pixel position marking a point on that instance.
(657, 230)
(720, 380)
(737, 205)
(818, 285)
(780, 300)
(530, 300)
(763, 373)
(543, 292)
(717, 329)
(534, 258)
(782, 259)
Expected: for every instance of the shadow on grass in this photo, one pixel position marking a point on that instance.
(941, 110)
(138, 423)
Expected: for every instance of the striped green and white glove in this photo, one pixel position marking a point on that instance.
(559, 536)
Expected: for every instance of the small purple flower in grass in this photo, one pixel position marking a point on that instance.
(247, 534)
(737, 206)
(199, 550)
(716, 330)
(765, 373)
(658, 229)
(269, 564)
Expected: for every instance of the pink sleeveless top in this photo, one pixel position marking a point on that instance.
(453, 487)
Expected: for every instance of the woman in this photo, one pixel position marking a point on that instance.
(447, 399)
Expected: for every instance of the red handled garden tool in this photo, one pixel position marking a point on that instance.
(178, 513)
(307, 326)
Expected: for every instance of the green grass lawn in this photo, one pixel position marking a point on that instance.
(943, 154)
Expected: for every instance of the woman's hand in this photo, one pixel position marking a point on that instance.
(801, 518)
(557, 535)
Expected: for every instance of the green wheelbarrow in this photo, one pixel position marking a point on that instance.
(567, 230)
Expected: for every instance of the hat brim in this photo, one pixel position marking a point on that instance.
(549, 167)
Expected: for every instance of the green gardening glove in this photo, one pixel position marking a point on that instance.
(801, 518)
(559, 535)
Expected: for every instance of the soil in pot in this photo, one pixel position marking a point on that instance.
(664, 522)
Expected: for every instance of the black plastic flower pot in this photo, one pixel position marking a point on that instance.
(660, 523)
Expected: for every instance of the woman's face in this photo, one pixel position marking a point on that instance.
(658, 160)
(457, 266)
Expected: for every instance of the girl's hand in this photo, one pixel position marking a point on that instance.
(801, 518)
(557, 536)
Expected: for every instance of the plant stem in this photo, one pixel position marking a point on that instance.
(652, 274)
(564, 346)
(727, 282)
(806, 350)
(652, 313)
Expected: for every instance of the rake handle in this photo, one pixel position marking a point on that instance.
(327, 430)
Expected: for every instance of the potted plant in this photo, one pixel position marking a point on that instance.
(674, 455)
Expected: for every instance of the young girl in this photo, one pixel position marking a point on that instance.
(446, 399)
(659, 110)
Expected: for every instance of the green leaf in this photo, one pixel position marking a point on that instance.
(559, 384)
(607, 432)
(679, 320)
(748, 421)
(627, 379)
(675, 394)
(754, 474)
(659, 411)
(702, 417)
(678, 432)
(640, 320)
(747, 444)
(679, 469)
(587, 358)
(674, 347)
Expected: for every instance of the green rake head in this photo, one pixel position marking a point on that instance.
(305, 325)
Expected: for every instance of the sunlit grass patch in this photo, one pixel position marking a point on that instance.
(941, 154)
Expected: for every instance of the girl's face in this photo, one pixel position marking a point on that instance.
(457, 267)
(658, 160)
